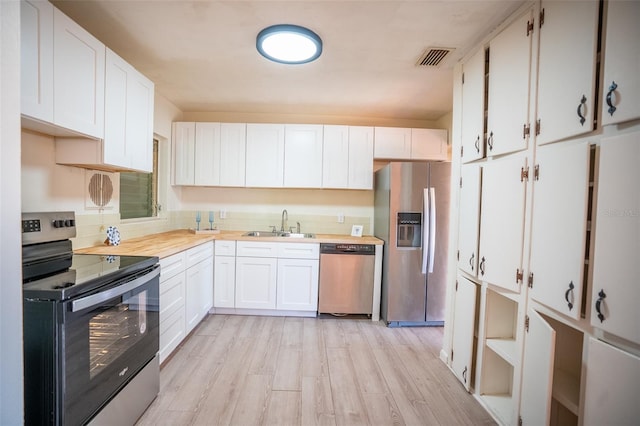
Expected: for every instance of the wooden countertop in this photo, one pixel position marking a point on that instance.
(165, 244)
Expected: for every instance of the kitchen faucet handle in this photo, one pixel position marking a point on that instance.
(274, 228)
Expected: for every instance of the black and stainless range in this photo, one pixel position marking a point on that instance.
(91, 328)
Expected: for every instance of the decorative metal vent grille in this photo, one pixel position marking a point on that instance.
(99, 190)
(433, 56)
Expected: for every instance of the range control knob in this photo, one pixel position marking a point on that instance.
(58, 223)
(68, 223)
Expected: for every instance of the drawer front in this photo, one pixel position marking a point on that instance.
(172, 332)
(299, 250)
(257, 249)
(172, 265)
(199, 253)
(225, 248)
(172, 294)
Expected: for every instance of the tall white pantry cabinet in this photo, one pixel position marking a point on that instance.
(543, 326)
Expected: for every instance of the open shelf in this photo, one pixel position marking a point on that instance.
(500, 405)
(566, 390)
(496, 386)
(505, 348)
(500, 326)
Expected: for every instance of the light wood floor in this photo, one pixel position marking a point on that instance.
(249, 370)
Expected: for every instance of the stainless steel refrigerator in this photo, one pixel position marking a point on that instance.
(411, 216)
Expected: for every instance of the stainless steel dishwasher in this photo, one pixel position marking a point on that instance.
(346, 278)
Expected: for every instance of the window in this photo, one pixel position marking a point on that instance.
(139, 191)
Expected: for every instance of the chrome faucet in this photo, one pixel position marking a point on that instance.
(285, 218)
(297, 227)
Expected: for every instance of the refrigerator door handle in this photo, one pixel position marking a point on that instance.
(432, 227)
(425, 229)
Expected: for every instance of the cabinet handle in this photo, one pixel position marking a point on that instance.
(583, 103)
(482, 266)
(566, 295)
(490, 141)
(612, 88)
(464, 374)
(601, 297)
(473, 255)
(477, 144)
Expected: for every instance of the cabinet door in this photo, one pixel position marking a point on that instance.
(469, 218)
(508, 91)
(360, 157)
(36, 55)
(566, 69)
(464, 325)
(199, 292)
(502, 221)
(621, 63)
(256, 282)
(429, 144)
(297, 288)
(184, 142)
(140, 111)
(392, 143)
(224, 282)
(172, 308)
(537, 371)
(207, 154)
(472, 131)
(78, 70)
(302, 156)
(335, 157)
(265, 155)
(559, 226)
(232, 154)
(611, 390)
(617, 238)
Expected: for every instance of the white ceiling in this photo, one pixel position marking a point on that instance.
(202, 57)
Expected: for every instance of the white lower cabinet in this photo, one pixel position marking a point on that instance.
(256, 282)
(224, 274)
(297, 284)
(464, 327)
(186, 294)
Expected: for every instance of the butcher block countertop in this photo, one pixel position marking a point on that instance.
(168, 243)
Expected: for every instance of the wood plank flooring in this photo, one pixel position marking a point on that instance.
(250, 370)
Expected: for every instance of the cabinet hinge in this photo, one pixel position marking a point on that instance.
(538, 127)
(530, 27)
(519, 276)
(526, 323)
(530, 280)
(461, 151)
(524, 173)
(456, 285)
(536, 172)
(526, 131)
(541, 18)
(462, 78)
(519, 420)
(460, 181)
(451, 354)
(458, 259)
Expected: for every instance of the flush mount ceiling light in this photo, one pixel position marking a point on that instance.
(289, 44)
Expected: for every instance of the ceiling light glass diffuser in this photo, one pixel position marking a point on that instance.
(289, 44)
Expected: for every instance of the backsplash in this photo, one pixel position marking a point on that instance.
(91, 228)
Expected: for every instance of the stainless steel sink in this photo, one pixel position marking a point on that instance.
(278, 234)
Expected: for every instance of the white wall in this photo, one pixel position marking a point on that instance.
(11, 383)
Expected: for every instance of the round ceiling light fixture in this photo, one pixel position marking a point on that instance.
(289, 44)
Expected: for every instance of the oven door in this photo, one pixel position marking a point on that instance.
(108, 337)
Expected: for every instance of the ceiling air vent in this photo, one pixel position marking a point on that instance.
(433, 56)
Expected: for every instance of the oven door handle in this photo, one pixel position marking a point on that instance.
(103, 296)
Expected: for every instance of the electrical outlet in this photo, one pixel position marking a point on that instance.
(223, 214)
(340, 217)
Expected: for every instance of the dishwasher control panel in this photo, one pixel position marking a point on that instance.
(361, 249)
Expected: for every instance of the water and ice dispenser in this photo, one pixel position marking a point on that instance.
(409, 232)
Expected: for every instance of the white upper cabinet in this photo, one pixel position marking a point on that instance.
(128, 138)
(265, 155)
(392, 143)
(36, 68)
(347, 157)
(611, 390)
(508, 91)
(429, 144)
(207, 154)
(561, 193)
(615, 289)
(302, 156)
(79, 83)
(567, 69)
(232, 154)
(621, 88)
(503, 203)
(360, 157)
(184, 142)
(472, 131)
(464, 318)
(469, 219)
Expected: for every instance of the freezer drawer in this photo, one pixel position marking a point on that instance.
(346, 283)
